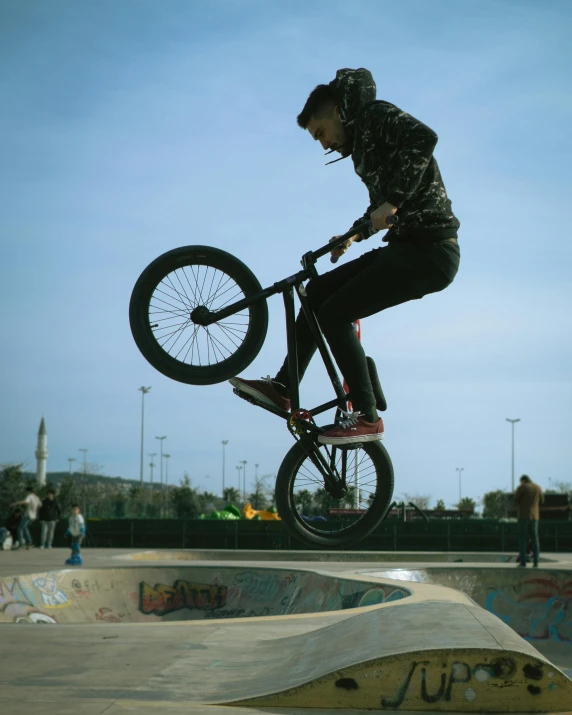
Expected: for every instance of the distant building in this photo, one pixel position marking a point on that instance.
(42, 454)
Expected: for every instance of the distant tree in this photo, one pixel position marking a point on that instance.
(421, 501)
(185, 499)
(440, 505)
(12, 484)
(496, 504)
(230, 495)
(209, 502)
(42, 491)
(323, 502)
(139, 498)
(69, 493)
(467, 504)
(304, 502)
(262, 495)
(118, 504)
(560, 488)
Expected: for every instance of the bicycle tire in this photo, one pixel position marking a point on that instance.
(357, 531)
(142, 326)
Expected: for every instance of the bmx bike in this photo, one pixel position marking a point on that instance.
(199, 316)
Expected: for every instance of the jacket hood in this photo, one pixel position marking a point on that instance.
(355, 88)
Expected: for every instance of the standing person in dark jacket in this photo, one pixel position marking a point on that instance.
(392, 153)
(50, 512)
(528, 497)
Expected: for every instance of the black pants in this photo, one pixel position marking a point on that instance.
(377, 280)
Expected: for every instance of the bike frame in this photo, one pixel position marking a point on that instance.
(287, 287)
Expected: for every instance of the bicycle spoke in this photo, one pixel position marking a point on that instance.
(354, 470)
(187, 300)
(172, 303)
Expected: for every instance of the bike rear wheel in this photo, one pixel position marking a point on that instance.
(166, 294)
(312, 514)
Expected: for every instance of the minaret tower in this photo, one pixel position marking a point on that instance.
(41, 454)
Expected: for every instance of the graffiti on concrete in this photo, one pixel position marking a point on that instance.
(538, 608)
(307, 592)
(87, 588)
(107, 615)
(50, 594)
(18, 603)
(437, 683)
(34, 617)
(262, 586)
(162, 599)
(12, 592)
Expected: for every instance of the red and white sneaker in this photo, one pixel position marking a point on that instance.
(263, 390)
(353, 428)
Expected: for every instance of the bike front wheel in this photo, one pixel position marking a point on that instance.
(165, 296)
(305, 503)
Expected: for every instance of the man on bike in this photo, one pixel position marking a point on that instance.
(392, 153)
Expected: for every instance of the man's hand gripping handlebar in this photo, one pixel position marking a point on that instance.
(342, 243)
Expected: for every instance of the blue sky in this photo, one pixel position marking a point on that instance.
(132, 128)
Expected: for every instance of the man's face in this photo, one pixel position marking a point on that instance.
(330, 132)
(75, 511)
(50, 495)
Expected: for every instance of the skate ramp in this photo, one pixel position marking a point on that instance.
(283, 638)
(177, 593)
(535, 603)
(430, 656)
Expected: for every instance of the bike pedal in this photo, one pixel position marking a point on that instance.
(347, 447)
(244, 396)
(254, 401)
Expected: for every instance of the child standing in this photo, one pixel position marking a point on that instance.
(76, 530)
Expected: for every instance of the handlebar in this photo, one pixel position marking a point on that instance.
(367, 225)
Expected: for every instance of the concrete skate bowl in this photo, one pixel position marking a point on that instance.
(322, 556)
(422, 647)
(536, 603)
(179, 593)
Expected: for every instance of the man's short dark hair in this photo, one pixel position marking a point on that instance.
(320, 103)
(30, 489)
(51, 491)
(74, 506)
(525, 478)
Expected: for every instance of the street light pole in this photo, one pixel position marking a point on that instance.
(163, 493)
(85, 451)
(238, 468)
(512, 423)
(161, 462)
(244, 463)
(144, 391)
(151, 465)
(459, 470)
(256, 472)
(70, 460)
(165, 457)
(224, 443)
(150, 501)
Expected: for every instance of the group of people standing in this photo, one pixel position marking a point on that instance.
(48, 512)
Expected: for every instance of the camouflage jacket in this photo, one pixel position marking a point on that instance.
(393, 155)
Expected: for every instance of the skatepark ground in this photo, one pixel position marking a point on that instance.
(303, 632)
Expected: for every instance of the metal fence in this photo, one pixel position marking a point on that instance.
(391, 535)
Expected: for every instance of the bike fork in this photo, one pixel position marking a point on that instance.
(332, 481)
